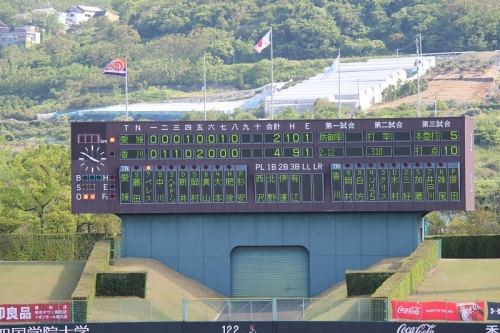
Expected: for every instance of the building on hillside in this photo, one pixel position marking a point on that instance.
(78, 14)
(22, 18)
(356, 85)
(61, 16)
(19, 35)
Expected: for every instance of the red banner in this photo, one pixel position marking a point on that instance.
(438, 311)
(17, 313)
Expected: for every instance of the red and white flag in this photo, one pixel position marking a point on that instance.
(116, 67)
(263, 42)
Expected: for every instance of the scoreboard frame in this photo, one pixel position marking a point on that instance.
(333, 165)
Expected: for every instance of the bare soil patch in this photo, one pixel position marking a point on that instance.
(460, 86)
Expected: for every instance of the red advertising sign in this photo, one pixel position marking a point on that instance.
(17, 313)
(449, 311)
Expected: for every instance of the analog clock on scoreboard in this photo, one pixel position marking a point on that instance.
(405, 164)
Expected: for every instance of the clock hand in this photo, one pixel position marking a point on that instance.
(90, 157)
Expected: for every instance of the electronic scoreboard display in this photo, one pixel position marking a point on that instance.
(406, 164)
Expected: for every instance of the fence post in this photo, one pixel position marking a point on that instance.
(304, 308)
(275, 310)
(184, 310)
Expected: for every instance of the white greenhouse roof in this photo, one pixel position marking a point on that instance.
(361, 84)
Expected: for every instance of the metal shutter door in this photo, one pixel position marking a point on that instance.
(270, 271)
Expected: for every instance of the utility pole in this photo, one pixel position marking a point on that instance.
(359, 100)
(418, 42)
(205, 86)
(397, 58)
(435, 103)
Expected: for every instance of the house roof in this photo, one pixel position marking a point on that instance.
(90, 8)
(83, 9)
(48, 10)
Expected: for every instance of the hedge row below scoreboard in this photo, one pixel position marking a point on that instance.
(49, 247)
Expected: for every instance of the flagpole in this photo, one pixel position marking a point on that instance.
(126, 88)
(418, 75)
(340, 108)
(205, 86)
(272, 75)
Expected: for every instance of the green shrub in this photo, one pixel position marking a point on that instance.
(407, 279)
(364, 282)
(121, 284)
(471, 247)
(47, 247)
(84, 294)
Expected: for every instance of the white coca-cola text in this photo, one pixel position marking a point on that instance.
(414, 310)
(424, 328)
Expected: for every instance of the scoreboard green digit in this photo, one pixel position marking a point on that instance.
(407, 164)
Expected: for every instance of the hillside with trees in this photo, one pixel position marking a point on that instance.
(164, 42)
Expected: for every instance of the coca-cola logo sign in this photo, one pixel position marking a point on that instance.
(415, 310)
(424, 328)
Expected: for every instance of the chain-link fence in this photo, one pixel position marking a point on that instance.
(227, 310)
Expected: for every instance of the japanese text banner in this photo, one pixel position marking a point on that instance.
(16, 313)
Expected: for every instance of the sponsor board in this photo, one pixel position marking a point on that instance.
(449, 311)
(37, 313)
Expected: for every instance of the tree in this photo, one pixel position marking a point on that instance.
(49, 23)
(108, 224)
(476, 222)
(436, 223)
(289, 113)
(37, 182)
(8, 226)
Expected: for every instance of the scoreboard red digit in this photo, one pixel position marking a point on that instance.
(406, 164)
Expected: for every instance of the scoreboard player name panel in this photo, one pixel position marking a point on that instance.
(405, 164)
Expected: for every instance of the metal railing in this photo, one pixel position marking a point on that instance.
(135, 309)
(273, 309)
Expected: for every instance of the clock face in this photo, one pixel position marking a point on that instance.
(92, 157)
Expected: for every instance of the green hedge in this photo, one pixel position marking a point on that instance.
(407, 279)
(365, 282)
(84, 294)
(121, 284)
(47, 247)
(475, 247)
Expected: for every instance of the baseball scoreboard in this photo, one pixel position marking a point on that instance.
(405, 164)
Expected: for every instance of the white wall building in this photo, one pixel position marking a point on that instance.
(78, 14)
(359, 84)
(61, 16)
(25, 35)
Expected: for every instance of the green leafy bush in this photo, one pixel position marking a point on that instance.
(121, 284)
(407, 279)
(47, 247)
(477, 247)
(84, 294)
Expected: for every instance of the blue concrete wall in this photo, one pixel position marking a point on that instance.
(199, 246)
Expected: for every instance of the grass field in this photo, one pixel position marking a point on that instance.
(462, 280)
(36, 282)
(454, 280)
